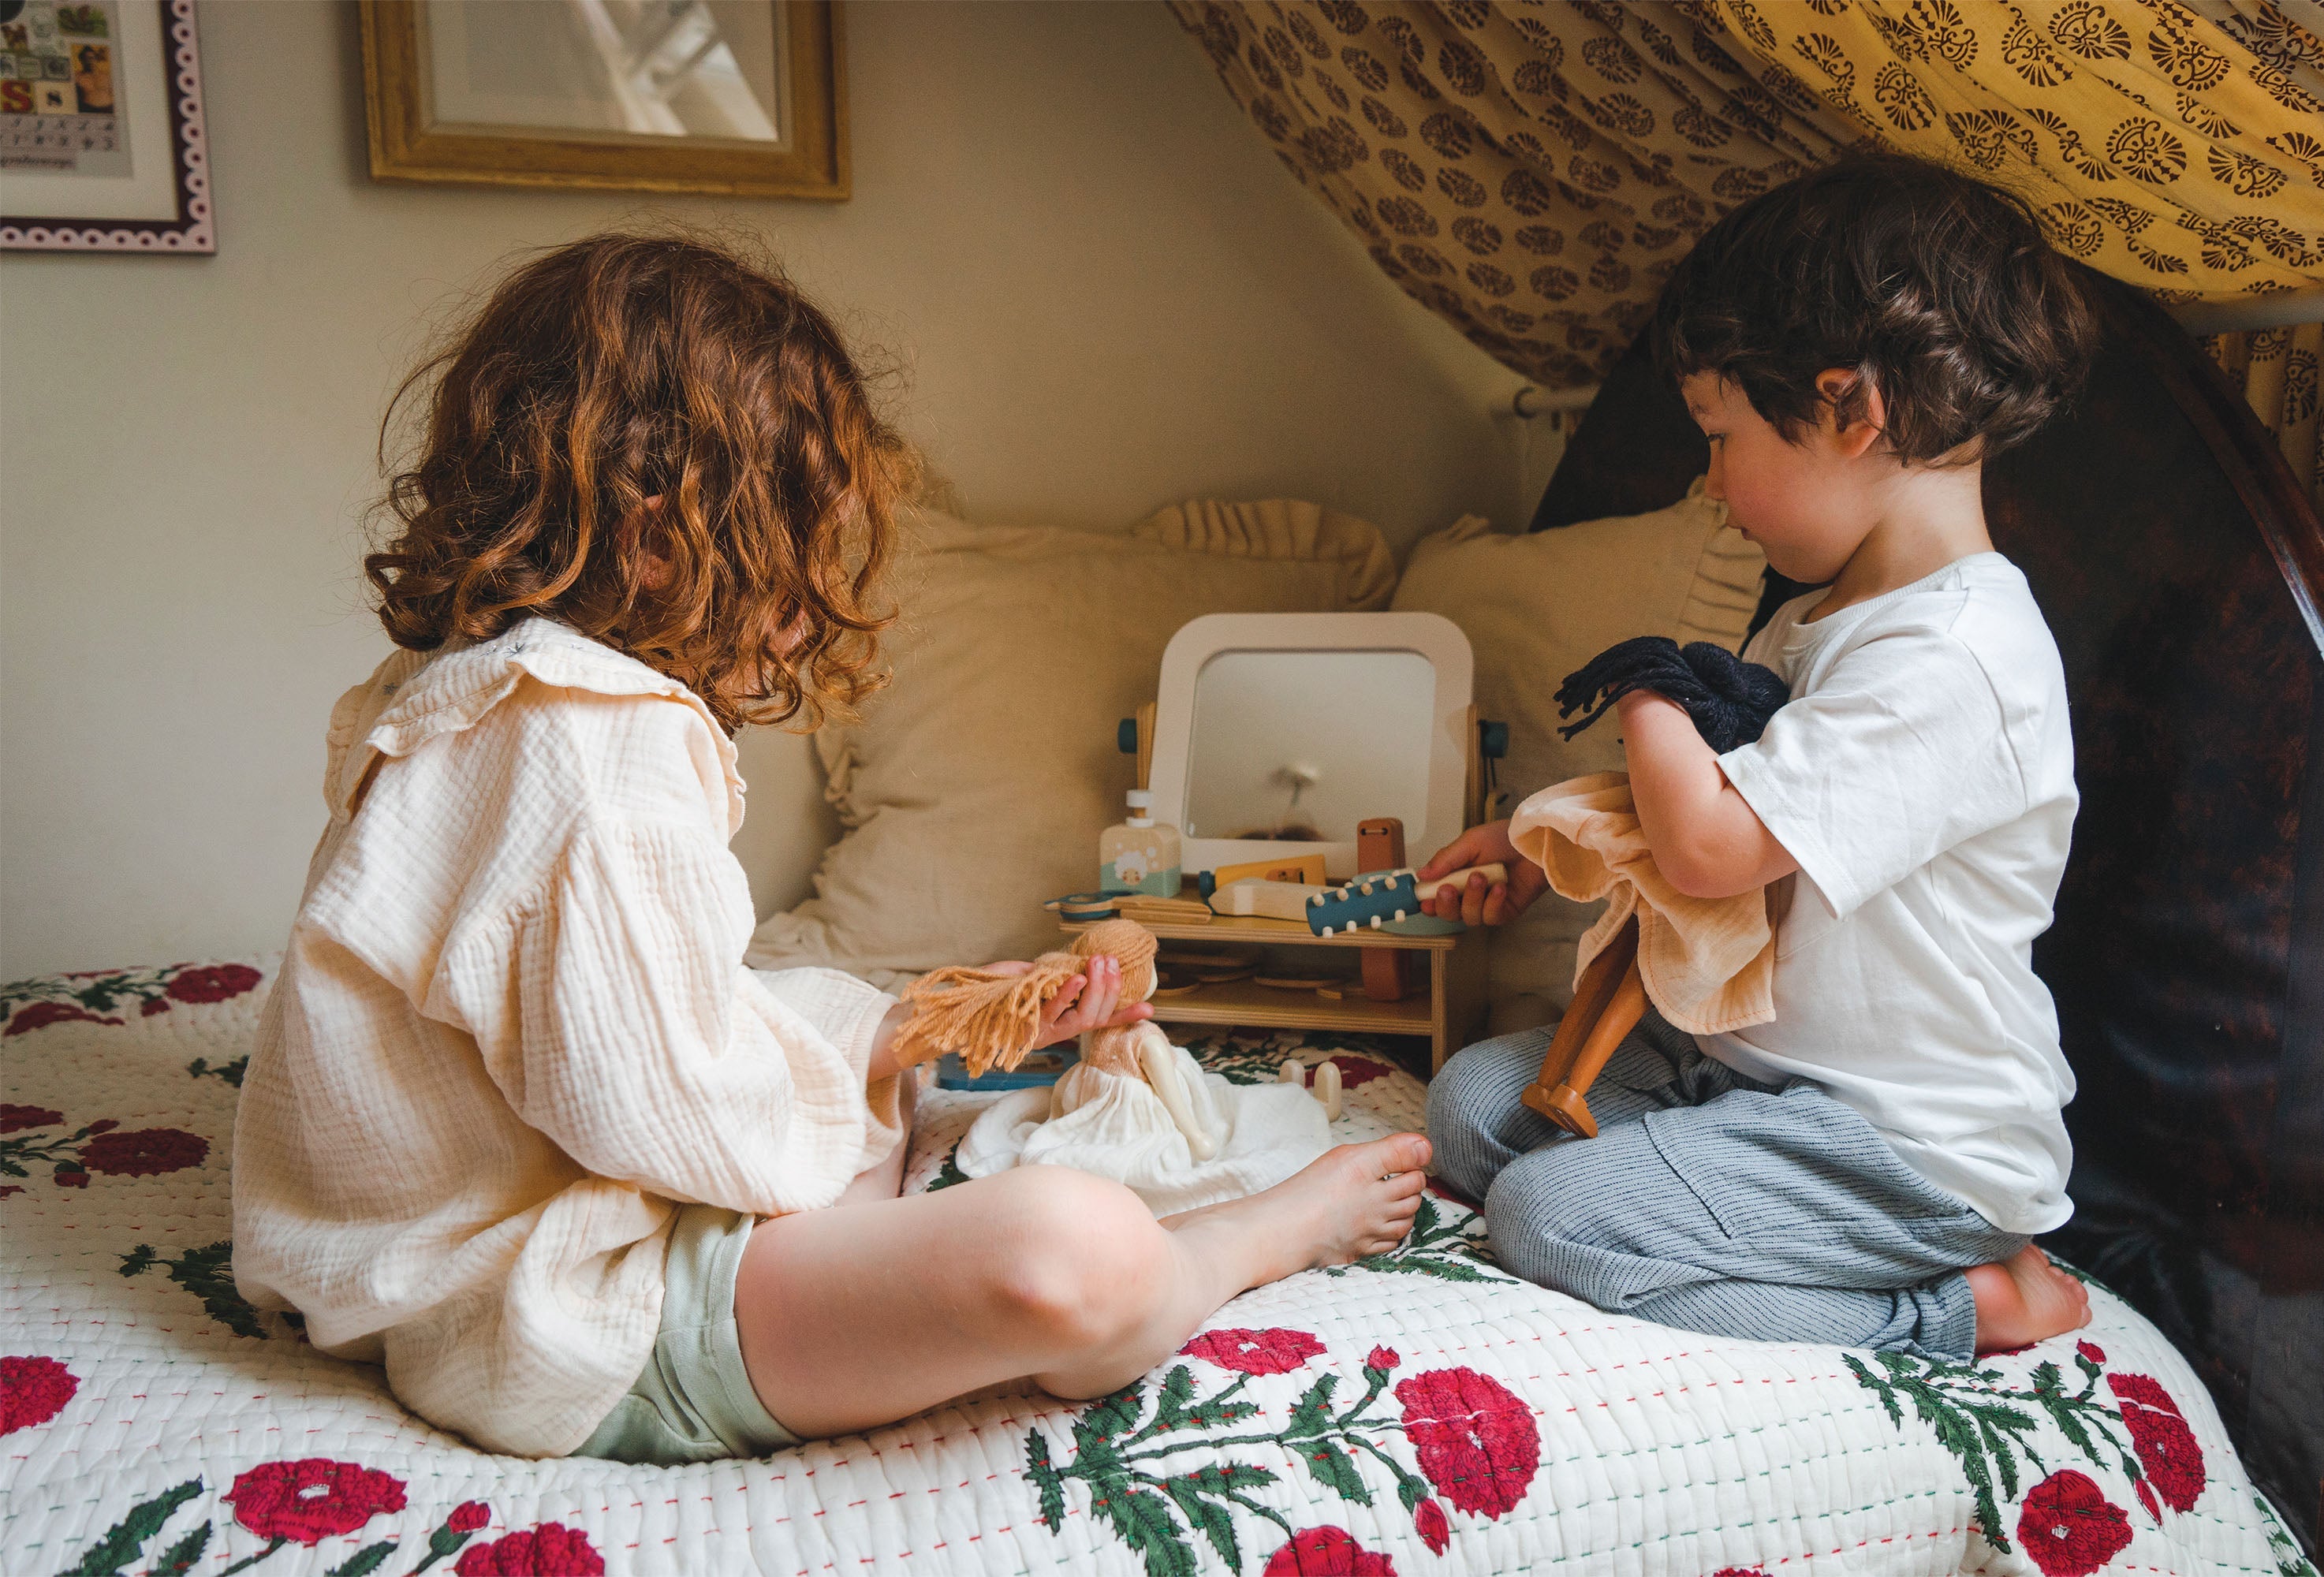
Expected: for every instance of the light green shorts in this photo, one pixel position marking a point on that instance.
(693, 1403)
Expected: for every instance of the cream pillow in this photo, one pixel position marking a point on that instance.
(976, 785)
(1535, 609)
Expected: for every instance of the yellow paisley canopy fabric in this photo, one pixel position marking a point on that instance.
(1531, 170)
(2176, 145)
(2278, 370)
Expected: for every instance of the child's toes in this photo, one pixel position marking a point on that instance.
(1406, 1152)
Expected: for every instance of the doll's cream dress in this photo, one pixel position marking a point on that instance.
(513, 1034)
(1114, 1125)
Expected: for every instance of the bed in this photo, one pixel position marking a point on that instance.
(1423, 1412)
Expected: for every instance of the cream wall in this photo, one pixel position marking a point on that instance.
(1104, 291)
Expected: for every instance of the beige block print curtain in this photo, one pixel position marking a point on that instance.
(1531, 173)
(1532, 169)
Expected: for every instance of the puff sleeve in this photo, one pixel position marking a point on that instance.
(616, 1015)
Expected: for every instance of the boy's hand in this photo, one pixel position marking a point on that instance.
(1091, 1000)
(1480, 903)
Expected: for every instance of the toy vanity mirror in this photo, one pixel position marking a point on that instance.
(1275, 733)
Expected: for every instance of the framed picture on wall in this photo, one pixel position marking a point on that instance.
(101, 140)
(737, 97)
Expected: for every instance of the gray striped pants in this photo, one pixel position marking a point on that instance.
(1711, 1202)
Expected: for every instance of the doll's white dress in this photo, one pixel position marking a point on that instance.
(1116, 1126)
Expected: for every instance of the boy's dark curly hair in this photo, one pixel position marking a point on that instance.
(1933, 287)
(667, 447)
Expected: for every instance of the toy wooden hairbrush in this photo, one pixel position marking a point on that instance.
(1380, 898)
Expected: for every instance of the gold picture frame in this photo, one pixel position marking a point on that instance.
(806, 159)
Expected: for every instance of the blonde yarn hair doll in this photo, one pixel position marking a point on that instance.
(1135, 1108)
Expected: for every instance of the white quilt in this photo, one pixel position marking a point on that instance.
(1423, 1413)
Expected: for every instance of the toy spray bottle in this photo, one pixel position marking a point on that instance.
(1139, 856)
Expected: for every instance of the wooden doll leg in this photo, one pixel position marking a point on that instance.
(1594, 995)
(1568, 1110)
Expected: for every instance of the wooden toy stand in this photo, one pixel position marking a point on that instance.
(1449, 1016)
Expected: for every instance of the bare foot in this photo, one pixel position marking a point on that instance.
(1351, 1202)
(2024, 1299)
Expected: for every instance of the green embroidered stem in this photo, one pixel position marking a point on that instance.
(1437, 1246)
(1160, 1452)
(207, 1273)
(1267, 1512)
(14, 1152)
(1171, 1412)
(364, 1561)
(444, 1542)
(230, 1072)
(273, 1545)
(1112, 1451)
(125, 1539)
(1983, 1421)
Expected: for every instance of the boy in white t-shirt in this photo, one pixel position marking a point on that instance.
(1867, 1168)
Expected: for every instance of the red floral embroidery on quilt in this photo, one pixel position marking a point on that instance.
(1383, 1359)
(1324, 1552)
(2069, 1528)
(33, 1390)
(550, 1550)
(468, 1515)
(41, 1015)
(143, 1152)
(1354, 1071)
(1275, 1351)
(212, 982)
(2091, 1351)
(313, 1500)
(2167, 1449)
(1475, 1438)
(15, 1119)
(1428, 1520)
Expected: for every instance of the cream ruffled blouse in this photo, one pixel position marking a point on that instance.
(513, 1025)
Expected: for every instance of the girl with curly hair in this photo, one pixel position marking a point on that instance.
(521, 1125)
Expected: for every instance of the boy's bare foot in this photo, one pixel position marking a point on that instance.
(2024, 1299)
(1351, 1202)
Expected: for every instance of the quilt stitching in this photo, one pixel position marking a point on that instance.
(126, 1378)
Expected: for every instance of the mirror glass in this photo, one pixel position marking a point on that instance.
(1302, 745)
(623, 69)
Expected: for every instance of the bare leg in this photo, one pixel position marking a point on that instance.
(2024, 1299)
(886, 1180)
(853, 1318)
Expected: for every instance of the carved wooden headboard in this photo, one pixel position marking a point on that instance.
(2182, 571)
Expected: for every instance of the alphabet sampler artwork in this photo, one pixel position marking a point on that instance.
(58, 107)
(102, 145)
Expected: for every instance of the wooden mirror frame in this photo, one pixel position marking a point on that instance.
(404, 148)
(1450, 730)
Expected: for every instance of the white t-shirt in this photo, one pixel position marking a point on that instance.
(1923, 775)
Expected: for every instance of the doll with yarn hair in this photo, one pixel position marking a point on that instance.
(1135, 1108)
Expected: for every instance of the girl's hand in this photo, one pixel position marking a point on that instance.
(1481, 903)
(1091, 1000)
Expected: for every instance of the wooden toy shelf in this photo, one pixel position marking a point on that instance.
(1448, 1014)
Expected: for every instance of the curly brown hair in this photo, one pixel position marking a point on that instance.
(1931, 286)
(668, 449)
